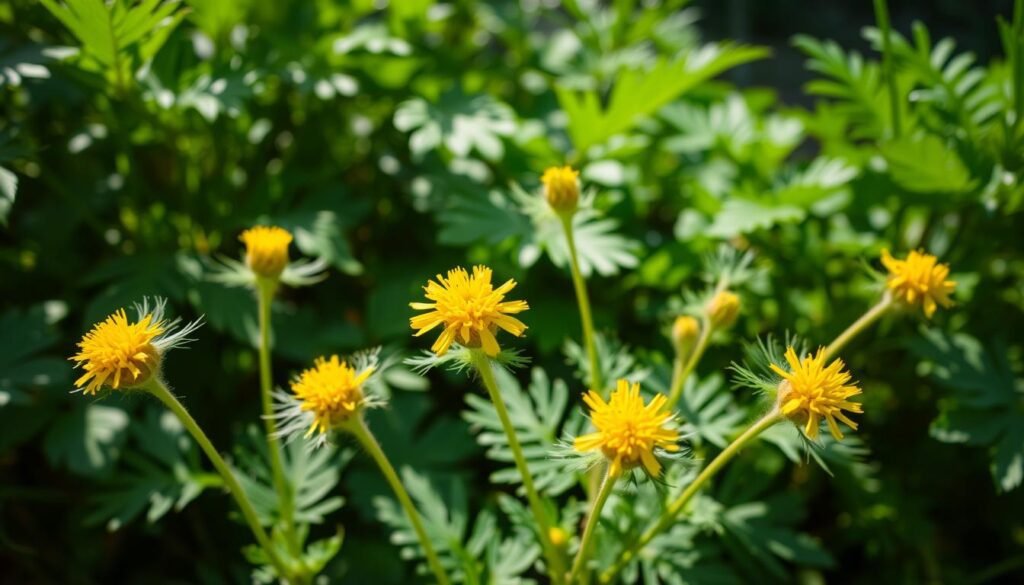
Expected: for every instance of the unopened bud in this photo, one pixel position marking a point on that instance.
(562, 189)
(685, 331)
(558, 536)
(723, 309)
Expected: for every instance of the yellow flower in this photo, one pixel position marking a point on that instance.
(120, 354)
(723, 309)
(266, 249)
(117, 353)
(470, 309)
(561, 188)
(627, 430)
(919, 280)
(811, 391)
(332, 390)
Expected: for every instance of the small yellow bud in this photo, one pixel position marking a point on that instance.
(685, 331)
(266, 250)
(723, 309)
(562, 189)
(558, 536)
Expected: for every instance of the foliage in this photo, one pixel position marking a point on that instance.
(396, 140)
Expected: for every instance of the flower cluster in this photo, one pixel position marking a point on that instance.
(919, 280)
(811, 391)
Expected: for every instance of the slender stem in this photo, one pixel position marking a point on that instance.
(593, 519)
(265, 289)
(583, 301)
(160, 391)
(676, 391)
(555, 562)
(677, 505)
(865, 320)
(369, 442)
(882, 17)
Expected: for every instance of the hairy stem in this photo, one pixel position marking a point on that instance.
(593, 519)
(865, 321)
(265, 295)
(362, 434)
(160, 391)
(556, 565)
(583, 301)
(677, 505)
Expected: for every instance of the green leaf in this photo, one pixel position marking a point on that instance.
(460, 123)
(119, 35)
(86, 440)
(8, 191)
(985, 404)
(926, 165)
(743, 216)
(161, 471)
(479, 217)
(537, 416)
(641, 92)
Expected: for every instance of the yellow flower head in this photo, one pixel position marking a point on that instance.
(627, 430)
(470, 309)
(723, 309)
(811, 391)
(332, 390)
(117, 353)
(561, 188)
(266, 249)
(919, 280)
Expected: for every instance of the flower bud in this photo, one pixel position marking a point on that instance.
(685, 331)
(558, 536)
(266, 250)
(562, 189)
(723, 309)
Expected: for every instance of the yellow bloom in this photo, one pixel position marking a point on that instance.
(627, 430)
(811, 391)
(470, 309)
(723, 309)
(332, 390)
(919, 280)
(561, 188)
(117, 353)
(266, 249)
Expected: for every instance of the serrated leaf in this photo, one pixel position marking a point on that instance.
(983, 407)
(926, 164)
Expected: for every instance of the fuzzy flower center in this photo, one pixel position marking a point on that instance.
(266, 249)
(332, 390)
(470, 309)
(627, 430)
(117, 353)
(811, 391)
(919, 280)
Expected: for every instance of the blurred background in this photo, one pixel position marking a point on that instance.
(388, 137)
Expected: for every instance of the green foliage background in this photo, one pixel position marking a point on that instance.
(138, 139)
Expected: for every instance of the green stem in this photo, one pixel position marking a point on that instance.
(865, 320)
(160, 391)
(593, 519)
(555, 563)
(265, 289)
(583, 301)
(677, 505)
(882, 17)
(676, 390)
(369, 442)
